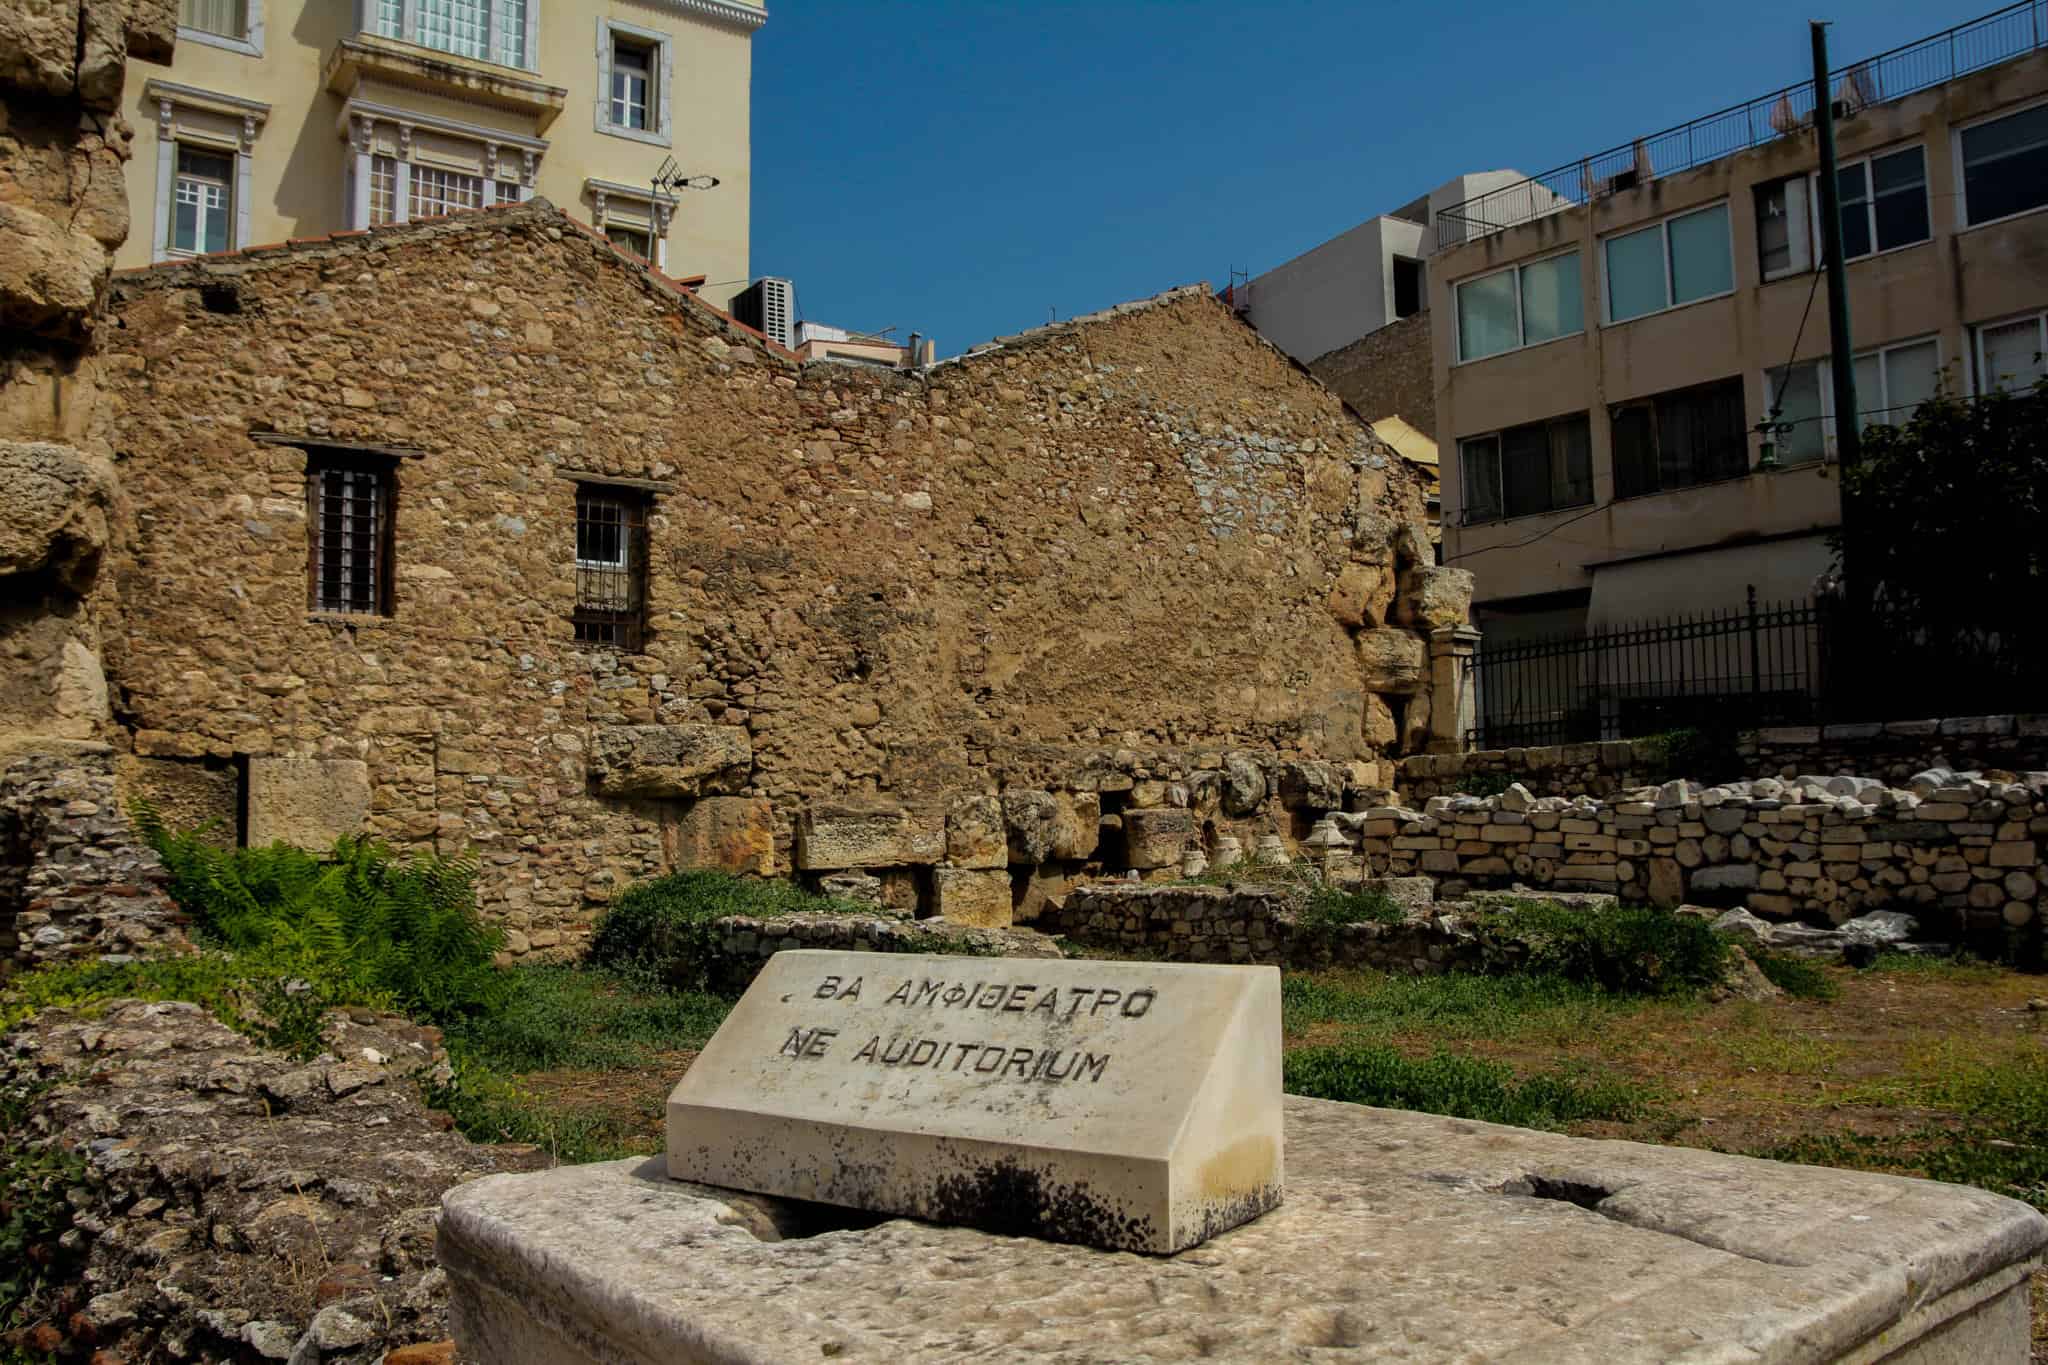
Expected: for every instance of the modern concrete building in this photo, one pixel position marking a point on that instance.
(816, 341)
(294, 118)
(1600, 370)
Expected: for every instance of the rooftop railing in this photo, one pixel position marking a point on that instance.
(1994, 38)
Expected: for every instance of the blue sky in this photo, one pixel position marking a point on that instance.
(960, 169)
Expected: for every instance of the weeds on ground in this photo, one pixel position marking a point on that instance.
(258, 994)
(1796, 976)
(663, 926)
(1484, 784)
(1462, 1087)
(1626, 950)
(34, 1215)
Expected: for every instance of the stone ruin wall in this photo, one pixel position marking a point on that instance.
(1892, 751)
(1098, 569)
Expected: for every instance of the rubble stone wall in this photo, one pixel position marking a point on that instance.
(1893, 751)
(1963, 851)
(1386, 374)
(75, 881)
(1027, 571)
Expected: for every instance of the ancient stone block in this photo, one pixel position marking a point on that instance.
(975, 835)
(669, 760)
(1433, 597)
(1244, 784)
(1393, 661)
(1312, 785)
(1156, 838)
(39, 46)
(53, 506)
(974, 896)
(1030, 818)
(836, 835)
(49, 275)
(1076, 825)
(1361, 593)
(729, 833)
(308, 802)
(1382, 731)
(203, 798)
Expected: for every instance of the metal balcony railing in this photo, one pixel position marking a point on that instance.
(1994, 38)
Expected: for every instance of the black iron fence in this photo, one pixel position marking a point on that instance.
(1761, 664)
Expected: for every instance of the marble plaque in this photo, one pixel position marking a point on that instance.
(1129, 1105)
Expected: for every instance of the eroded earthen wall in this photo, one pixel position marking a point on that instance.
(1144, 533)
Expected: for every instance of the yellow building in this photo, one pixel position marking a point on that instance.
(294, 118)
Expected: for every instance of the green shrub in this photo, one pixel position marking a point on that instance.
(361, 925)
(1330, 907)
(1462, 1087)
(261, 995)
(1483, 784)
(663, 926)
(1628, 950)
(1795, 976)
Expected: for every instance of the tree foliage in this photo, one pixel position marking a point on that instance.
(1944, 511)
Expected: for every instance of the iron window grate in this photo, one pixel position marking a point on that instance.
(611, 569)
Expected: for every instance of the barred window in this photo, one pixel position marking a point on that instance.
(611, 567)
(349, 503)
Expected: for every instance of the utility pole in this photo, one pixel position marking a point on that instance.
(1842, 350)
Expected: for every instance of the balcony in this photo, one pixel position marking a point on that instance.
(389, 62)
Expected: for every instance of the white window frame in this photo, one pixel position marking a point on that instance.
(170, 99)
(250, 44)
(494, 32)
(1870, 205)
(1809, 217)
(507, 158)
(661, 75)
(1663, 225)
(1963, 223)
(1978, 378)
(1824, 368)
(204, 213)
(1521, 328)
(648, 214)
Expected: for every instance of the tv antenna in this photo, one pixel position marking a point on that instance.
(670, 181)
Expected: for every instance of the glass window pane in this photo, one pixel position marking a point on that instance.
(1899, 171)
(216, 219)
(2005, 165)
(1902, 218)
(1702, 263)
(1797, 393)
(509, 19)
(1910, 376)
(1635, 274)
(1634, 432)
(1525, 470)
(1869, 390)
(1571, 461)
(1481, 461)
(2012, 355)
(1550, 299)
(1486, 316)
(1854, 182)
(185, 225)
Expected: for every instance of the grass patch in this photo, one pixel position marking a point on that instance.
(1783, 1054)
(1462, 1087)
(1328, 907)
(559, 1016)
(1453, 1005)
(1796, 976)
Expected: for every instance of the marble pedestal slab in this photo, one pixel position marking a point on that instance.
(1404, 1237)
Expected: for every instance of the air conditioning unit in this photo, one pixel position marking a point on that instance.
(768, 305)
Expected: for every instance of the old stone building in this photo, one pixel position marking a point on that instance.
(476, 534)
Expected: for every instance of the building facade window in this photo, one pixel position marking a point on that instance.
(436, 192)
(350, 502)
(1678, 261)
(631, 240)
(1520, 306)
(1884, 202)
(1678, 439)
(203, 201)
(383, 190)
(485, 30)
(221, 18)
(611, 567)
(1408, 287)
(1891, 382)
(2004, 165)
(1519, 472)
(2012, 355)
(635, 69)
(1784, 240)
